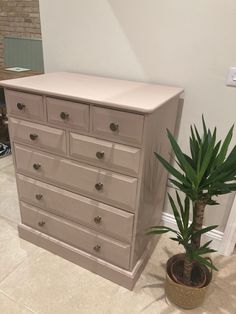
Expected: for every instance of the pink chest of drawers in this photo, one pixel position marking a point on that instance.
(89, 185)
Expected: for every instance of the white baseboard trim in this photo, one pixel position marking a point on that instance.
(215, 235)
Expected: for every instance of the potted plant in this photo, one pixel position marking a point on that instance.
(208, 171)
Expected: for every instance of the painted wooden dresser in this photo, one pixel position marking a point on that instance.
(89, 185)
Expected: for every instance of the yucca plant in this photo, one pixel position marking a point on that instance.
(184, 236)
(208, 171)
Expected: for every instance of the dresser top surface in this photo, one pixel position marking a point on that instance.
(135, 96)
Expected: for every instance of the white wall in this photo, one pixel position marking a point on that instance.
(183, 42)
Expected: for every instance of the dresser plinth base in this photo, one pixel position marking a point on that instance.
(111, 272)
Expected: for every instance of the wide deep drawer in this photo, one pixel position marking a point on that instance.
(68, 114)
(94, 243)
(38, 135)
(112, 188)
(95, 215)
(117, 125)
(25, 105)
(105, 154)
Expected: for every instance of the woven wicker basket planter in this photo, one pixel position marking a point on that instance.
(184, 296)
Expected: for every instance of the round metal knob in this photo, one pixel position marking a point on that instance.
(36, 166)
(99, 186)
(64, 115)
(100, 155)
(38, 196)
(33, 137)
(41, 223)
(97, 248)
(114, 126)
(20, 106)
(97, 219)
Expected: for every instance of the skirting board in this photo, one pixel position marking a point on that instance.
(98, 266)
(214, 235)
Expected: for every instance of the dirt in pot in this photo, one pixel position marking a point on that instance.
(199, 273)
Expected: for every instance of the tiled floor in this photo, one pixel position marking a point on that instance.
(35, 281)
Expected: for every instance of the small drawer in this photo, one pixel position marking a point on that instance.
(95, 215)
(105, 154)
(96, 244)
(24, 105)
(68, 114)
(38, 135)
(117, 125)
(106, 186)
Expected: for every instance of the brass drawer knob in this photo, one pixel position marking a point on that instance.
(36, 166)
(99, 186)
(100, 155)
(20, 106)
(41, 223)
(64, 115)
(33, 137)
(38, 196)
(114, 126)
(97, 219)
(97, 248)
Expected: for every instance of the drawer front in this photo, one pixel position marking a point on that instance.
(102, 247)
(105, 154)
(117, 125)
(112, 188)
(24, 105)
(96, 215)
(38, 135)
(68, 114)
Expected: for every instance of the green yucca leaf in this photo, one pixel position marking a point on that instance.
(160, 230)
(197, 135)
(176, 214)
(204, 261)
(172, 170)
(186, 212)
(229, 163)
(207, 157)
(182, 187)
(157, 231)
(162, 227)
(199, 161)
(213, 162)
(180, 204)
(190, 173)
(175, 239)
(205, 250)
(193, 150)
(221, 177)
(194, 146)
(204, 230)
(224, 148)
(204, 126)
(207, 244)
(189, 160)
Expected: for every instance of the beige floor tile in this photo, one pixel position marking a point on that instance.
(49, 284)
(6, 161)
(13, 250)
(9, 205)
(8, 306)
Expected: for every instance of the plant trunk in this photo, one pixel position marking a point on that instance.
(198, 221)
(188, 266)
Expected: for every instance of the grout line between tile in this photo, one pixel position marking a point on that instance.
(16, 302)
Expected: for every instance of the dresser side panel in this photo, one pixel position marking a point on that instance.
(154, 176)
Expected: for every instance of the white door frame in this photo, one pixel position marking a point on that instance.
(229, 238)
